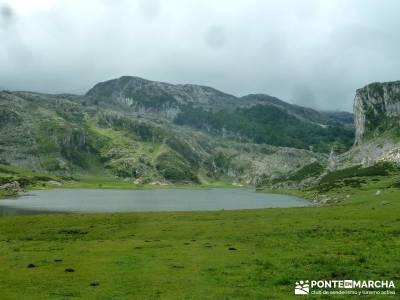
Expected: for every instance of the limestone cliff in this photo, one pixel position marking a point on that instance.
(377, 124)
(376, 109)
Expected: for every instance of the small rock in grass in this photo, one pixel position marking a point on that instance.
(378, 192)
(67, 294)
(95, 283)
(53, 182)
(385, 202)
(31, 266)
(69, 270)
(178, 267)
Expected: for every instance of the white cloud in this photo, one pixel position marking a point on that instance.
(309, 52)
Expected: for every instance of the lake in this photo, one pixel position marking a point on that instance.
(100, 200)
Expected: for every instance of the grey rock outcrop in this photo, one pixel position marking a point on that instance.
(377, 124)
(125, 128)
(165, 99)
(153, 97)
(376, 106)
(12, 187)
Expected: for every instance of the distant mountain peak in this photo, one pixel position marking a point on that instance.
(157, 97)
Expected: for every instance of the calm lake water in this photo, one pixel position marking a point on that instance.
(97, 200)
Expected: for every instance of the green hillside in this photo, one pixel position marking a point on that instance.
(108, 134)
(269, 124)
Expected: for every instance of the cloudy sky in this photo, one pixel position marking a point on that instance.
(308, 52)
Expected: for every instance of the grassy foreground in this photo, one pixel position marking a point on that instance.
(249, 254)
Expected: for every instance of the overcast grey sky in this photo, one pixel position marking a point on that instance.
(308, 52)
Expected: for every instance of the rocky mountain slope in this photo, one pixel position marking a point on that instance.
(146, 96)
(145, 131)
(256, 118)
(95, 136)
(376, 149)
(377, 123)
(161, 98)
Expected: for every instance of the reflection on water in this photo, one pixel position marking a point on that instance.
(97, 200)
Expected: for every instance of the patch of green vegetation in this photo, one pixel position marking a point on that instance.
(128, 156)
(377, 122)
(5, 194)
(67, 147)
(268, 124)
(288, 191)
(137, 150)
(69, 111)
(379, 169)
(206, 182)
(247, 254)
(373, 118)
(174, 168)
(219, 163)
(184, 149)
(9, 117)
(311, 170)
(25, 178)
(376, 89)
(137, 129)
(353, 176)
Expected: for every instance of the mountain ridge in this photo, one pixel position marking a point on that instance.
(213, 111)
(129, 83)
(145, 131)
(63, 136)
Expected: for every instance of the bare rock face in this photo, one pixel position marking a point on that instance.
(12, 187)
(376, 109)
(369, 152)
(377, 123)
(152, 97)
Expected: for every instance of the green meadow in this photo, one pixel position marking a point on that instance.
(246, 254)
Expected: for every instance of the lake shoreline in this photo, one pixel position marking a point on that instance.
(147, 200)
(108, 184)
